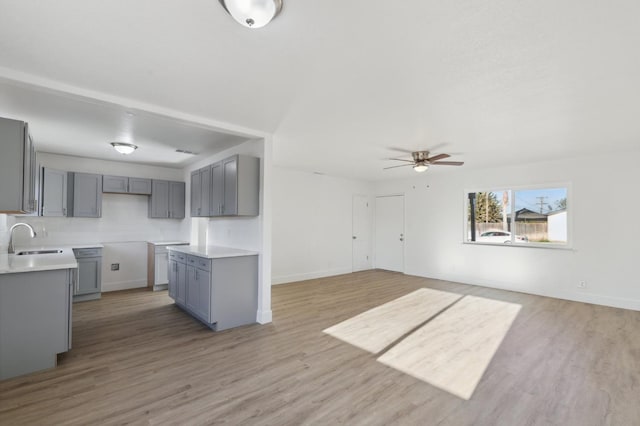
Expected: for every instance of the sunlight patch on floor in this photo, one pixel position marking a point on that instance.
(379, 327)
(453, 350)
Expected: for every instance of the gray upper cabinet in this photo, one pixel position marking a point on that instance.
(159, 200)
(230, 187)
(54, 192)
(241, 186)
(176, 200)
(117, 184)
(217, 189)
(139, 186)
(196, 193)
(200, 192)
(87, 194)
(230, 201)
(126, 185)
(17, 168)
(167, 199)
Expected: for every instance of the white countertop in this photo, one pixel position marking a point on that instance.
(11, 263)
(61, 246)
(169, 243)
(213, 252)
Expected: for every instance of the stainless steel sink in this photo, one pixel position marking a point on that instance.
(25, 252)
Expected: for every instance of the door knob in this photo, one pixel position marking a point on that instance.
(354, 237)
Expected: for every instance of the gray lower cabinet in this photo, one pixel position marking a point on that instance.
(17, 168)
(88, 282)
(220, 292)
(158, 267)
(35, 320)
(87, 194)
(167, 199)
(53, 192)
(178, 279)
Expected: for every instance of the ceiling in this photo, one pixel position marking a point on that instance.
(339, 84)
(73, 125)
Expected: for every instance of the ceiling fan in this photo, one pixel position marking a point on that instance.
(421, 161)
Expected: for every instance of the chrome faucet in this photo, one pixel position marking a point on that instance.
(33, 234)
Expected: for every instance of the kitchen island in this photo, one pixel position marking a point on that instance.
(216, 285)
(36, 293)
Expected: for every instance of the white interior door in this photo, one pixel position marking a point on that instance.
(361, 234)
(390, 233)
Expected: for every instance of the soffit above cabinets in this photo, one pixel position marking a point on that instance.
(67, 124)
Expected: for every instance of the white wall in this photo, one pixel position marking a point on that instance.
(312, 224)
(602, 205)
(123, 227)
(249, 233)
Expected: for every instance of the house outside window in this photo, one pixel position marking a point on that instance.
(532, 216)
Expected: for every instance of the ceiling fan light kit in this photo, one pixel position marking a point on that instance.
(252, 13)
(420, 168)
(421, 161)
(124, 148)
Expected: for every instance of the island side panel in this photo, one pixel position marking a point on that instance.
(234, 295)
(34, 315)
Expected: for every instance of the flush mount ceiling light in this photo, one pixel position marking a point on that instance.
(252, 13)
(123, 148)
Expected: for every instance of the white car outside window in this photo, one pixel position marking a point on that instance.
(498, 236)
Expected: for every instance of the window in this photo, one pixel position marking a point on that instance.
(527, 216)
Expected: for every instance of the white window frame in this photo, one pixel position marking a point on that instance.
(513, 188)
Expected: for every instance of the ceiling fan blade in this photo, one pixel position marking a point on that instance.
(400, 159)
(448, 163)
(398, 149)
(438, 157)
(401, 165)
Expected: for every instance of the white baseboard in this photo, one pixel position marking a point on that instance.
(283, 279)
(264, 317)
(584, 297)
(123, 285)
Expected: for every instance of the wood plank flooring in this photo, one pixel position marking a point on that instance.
(137, 359)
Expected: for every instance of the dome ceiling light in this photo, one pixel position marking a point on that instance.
(123, 148)
(252, 13)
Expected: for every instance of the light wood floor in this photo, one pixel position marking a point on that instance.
(137, 359)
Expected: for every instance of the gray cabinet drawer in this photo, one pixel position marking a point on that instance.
(88, 252)
(204, 264)
(199, 262)
(177, 256)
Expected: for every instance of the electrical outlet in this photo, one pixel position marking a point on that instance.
(582, 284)
(115, 266)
